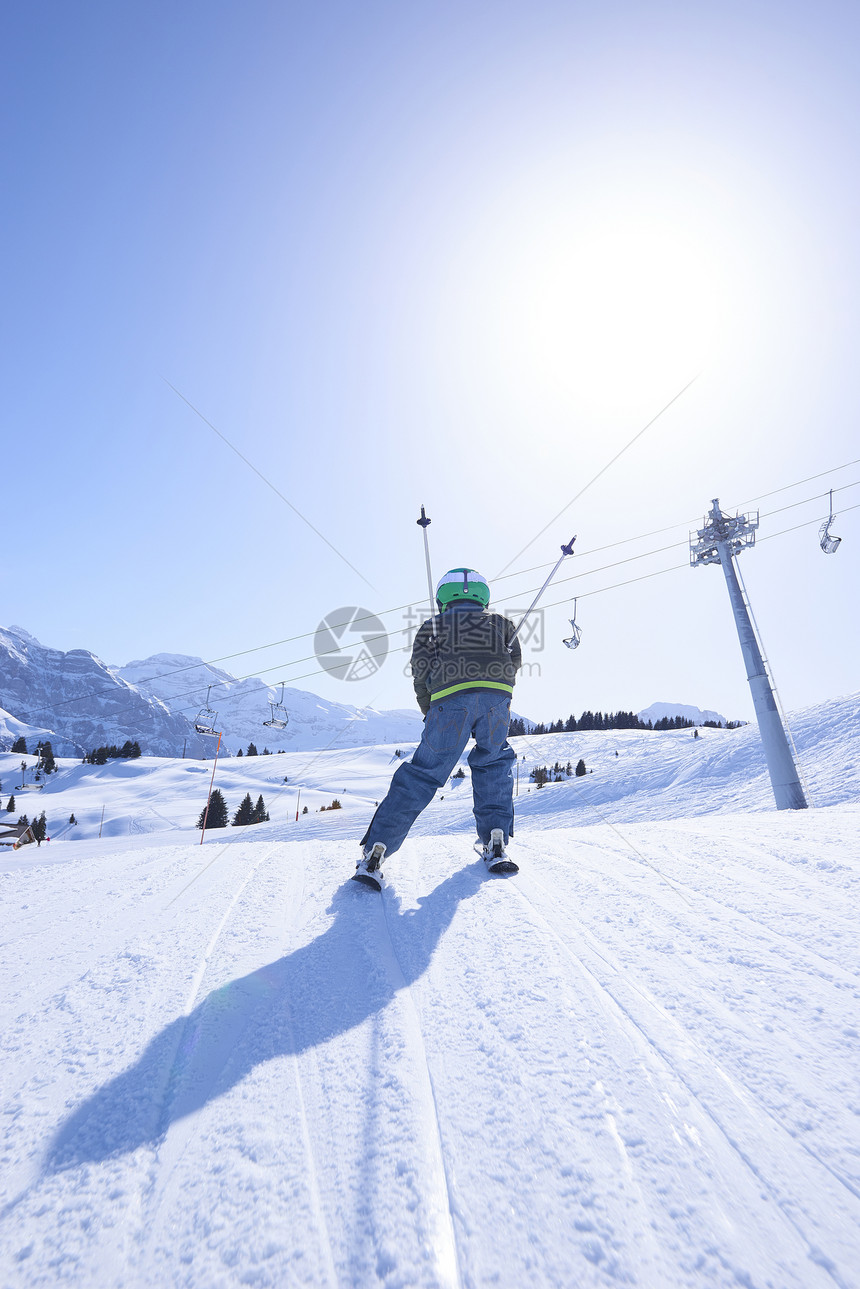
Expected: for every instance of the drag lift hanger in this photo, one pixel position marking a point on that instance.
(828, 544)
(575, 637)
(280, 716)
(204, 721)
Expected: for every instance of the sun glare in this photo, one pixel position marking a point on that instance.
(637, 301)
(605, 317)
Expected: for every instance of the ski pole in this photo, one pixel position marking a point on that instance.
(565, 550)
(423, 523)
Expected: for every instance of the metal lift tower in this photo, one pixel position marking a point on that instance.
(721, 538)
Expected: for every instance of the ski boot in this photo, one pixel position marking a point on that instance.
(368, 870)
(495, 857)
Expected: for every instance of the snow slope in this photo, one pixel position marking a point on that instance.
(670, 773)
(634, 1064)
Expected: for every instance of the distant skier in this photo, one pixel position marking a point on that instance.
(464, 664)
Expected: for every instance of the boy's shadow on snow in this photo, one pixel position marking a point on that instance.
(321, 990)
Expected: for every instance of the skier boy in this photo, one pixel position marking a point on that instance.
(464, 664)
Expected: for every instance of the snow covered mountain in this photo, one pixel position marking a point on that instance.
(657, 711)
(78, 702)
(181, 684)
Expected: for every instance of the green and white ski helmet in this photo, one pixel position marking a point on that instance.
(462, 584)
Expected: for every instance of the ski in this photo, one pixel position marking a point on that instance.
(502, 868)
(369, 880)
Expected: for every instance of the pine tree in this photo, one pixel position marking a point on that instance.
(46, 760)
(244, 815)
(20, 745)
(261, 814)
(580, 768)
(252, 750)
(10, 804)
(217, 817)
(40, 827)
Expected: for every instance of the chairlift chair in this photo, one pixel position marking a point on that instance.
(827, 543)
(280, 716)
(204, 721)
(574, 639)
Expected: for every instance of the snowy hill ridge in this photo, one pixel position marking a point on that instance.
(633, 776)
(657, 711)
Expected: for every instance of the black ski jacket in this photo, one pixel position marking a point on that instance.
(469, 651)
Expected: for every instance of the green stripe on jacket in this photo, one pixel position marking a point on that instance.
(471, 684)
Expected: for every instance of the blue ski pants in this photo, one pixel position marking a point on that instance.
(448, 725)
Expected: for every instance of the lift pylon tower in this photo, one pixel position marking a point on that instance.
(721, 538)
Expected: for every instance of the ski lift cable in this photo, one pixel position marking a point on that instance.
(598, 591)
(601, 590)
(267, 482)
(554, 604)
(600, 473)
(658, 550)
(306, 635)
(417, 603)
(686, 523)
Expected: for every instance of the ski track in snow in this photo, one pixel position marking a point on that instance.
(635, 1063)
(688, 1076)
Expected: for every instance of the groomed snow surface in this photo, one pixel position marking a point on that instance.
(636, 1063)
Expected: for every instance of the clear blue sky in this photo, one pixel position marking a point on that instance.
(454, 254)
